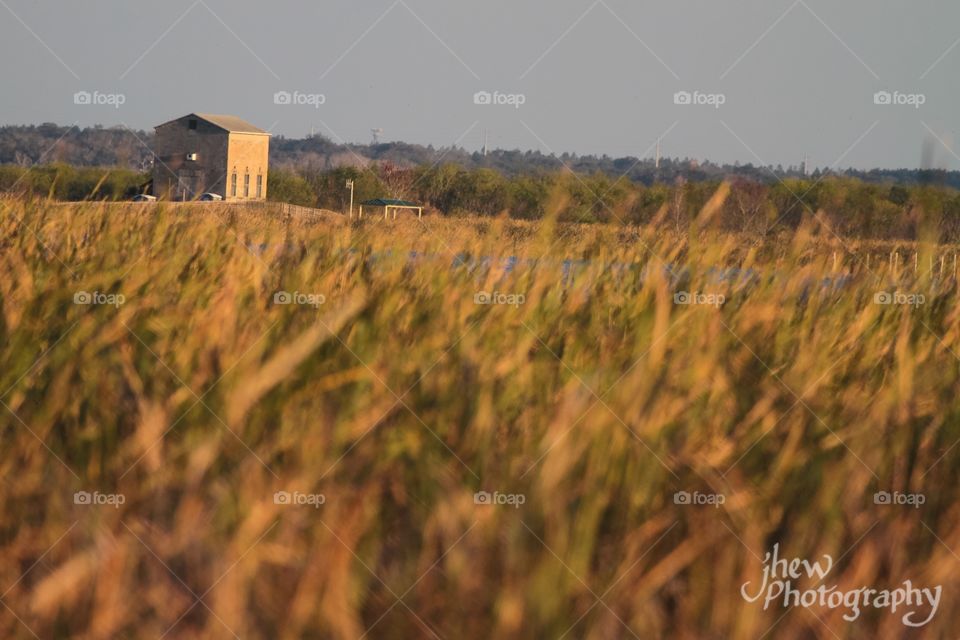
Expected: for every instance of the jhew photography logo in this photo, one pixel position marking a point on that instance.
(897, 499)
(96, 498)
(299, 99)
(496, 498)
(696, 498)
(699, 99)
(307, 299)
(899, 298)
(696, 298)
(780, 585)
(898, 99)
(515, 100)
(97, 99)
(510, 299)
(297, 499)
(97, 298)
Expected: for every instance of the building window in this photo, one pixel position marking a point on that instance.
(259, 185)
(233, 184)
(193, 124)
(246, 185)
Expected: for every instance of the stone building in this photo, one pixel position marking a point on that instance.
(205, 153)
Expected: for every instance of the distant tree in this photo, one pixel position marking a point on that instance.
(288, 186)
(898, 195)
(330, 187)
(397, 180)
(528, 196)
(750, 205)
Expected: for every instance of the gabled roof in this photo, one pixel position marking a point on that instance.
(386, 202)
(233, 124)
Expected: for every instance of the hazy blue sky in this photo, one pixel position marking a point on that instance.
(795, 77)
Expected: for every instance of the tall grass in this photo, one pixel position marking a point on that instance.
(597, 399)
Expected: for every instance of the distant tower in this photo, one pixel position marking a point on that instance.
(486, 140)
(803, 166)
(376, 133)
(657, 161)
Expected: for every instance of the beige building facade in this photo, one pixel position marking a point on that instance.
(206, 153)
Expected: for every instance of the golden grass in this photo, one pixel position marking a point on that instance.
(398, 398)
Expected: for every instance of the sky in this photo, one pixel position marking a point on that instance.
(858, 83)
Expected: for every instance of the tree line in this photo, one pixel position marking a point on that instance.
(850, 206)
(131, 149)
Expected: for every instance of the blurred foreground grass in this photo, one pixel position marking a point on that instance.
(586, 408)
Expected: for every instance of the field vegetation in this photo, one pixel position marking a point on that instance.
(759, 205)
(316, 428)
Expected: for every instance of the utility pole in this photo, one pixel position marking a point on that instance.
(350, 186)
(657, 161)
(486, 140)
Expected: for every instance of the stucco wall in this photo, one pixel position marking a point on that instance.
(248, 155)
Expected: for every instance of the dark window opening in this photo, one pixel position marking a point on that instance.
(193, 124)
(233, 185)
(259, 186)
(246, 185)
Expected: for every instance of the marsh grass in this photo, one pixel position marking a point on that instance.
(399, 398)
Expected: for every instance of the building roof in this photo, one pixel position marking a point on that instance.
(386, 202)
(233, 124)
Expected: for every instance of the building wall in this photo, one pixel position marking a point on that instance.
(220, 154)
(248, 155)
(175, 177)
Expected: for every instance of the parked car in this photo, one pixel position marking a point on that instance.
(210, 197)
(144, 198)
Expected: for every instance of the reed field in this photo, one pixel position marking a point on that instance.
(227, 423)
